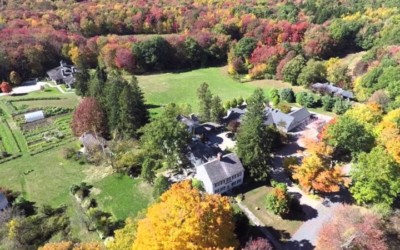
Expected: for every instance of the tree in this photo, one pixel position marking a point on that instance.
(149, 167)
(254, 142)
(97, 84)
(88, 116)
(217, 110)
(184, 218)
(375, 177)
(152, 54)
(5, 87)
(115, 86)
(68, 245)
(277, 201)
(313, 72)
(379, 97)
(258, 244)
(161, 185)
(287, 95)
(328, 103)
(292, 69)
(124, 237)
(165, 139)
(205, 99)
(245, 47)
(81, 83)
(338, 74)
(352, 228)
(348, 134)
(341, 106)
(15, 78)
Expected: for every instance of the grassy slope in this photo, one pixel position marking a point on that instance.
(161, 89)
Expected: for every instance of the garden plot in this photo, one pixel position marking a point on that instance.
(47, 133)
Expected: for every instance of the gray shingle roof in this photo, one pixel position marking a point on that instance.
(91, 141)
(333, 89)
(300, 114)
(218, 170)
(278, 118)
(234, 114)
(63, 72)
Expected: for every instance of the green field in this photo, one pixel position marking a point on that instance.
(161, 89)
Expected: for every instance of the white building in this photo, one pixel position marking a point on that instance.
(34, 116)
(221, 174)
(3, 202)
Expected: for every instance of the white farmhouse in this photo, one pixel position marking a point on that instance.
(221, 174)
(3, 202)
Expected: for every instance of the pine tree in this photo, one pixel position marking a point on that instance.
(205, 98)
(217, 110)
(114, 89)
(82, 82)
(254, 141)
(97, 84)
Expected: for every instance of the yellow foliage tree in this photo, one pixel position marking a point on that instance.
(367, 114)
(124, 237)
(388, 133)
(68, 245)
(187, 219)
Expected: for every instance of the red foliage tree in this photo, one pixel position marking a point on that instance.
(88, 116)
(5, 87)
(352, 228)
(258, 244)
(289, 56)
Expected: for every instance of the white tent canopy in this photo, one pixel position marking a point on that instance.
(34, 116)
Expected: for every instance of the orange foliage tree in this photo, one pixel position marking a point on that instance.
(352, 228)
(316, 171)
(388, 132)
(187, 219)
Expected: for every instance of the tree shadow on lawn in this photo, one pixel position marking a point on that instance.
(343, 196)
(300, 212)
(152, 106)
(298, 245)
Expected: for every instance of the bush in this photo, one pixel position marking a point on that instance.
(161, 185)
(278, 200)
(67, 153)
(301, 98)
(341, 106)
(287, 95)
(328, 103)
(284, 107)
(198, 184)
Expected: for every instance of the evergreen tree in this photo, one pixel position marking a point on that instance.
(82, 82)
(115, 86)
(97, 84)
(217, 110)
(254, 140)
(205, 98)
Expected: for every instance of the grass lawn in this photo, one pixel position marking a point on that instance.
(161, 89)
(281, 228)
(122, 195)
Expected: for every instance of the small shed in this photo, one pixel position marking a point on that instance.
(3, 202)
(34, 116)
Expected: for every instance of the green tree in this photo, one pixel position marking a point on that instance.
(348, 134)
(193, 52)
(205, 99)
(393, 89)
(165, 139)
(152, 54)
(341, 106)
(217, 110)
(149, 167)
(293, 68)
(376, 178)
(277, 201)
(254, 140)
(161, 184)
(115, 85)
(97, 84)
(328, 103)
(245, 47)
(313, 72)
(287, 95)
(81, 84)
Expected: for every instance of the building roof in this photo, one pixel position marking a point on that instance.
(278, 118)
(190, 121)
(91, 141)
(207, 127)
(300, 114)
(333, 89)
(34, 116)
(63, 72)
(2, 198)
(200, 153)
(226, 167)
(235, 114)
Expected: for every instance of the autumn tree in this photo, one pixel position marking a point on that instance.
(254, 142)
(88, 116)
(352, 228)
(277, 201)
(313, 72)
(205, 101)
(375, 178)
(124, 237)
(15, 78)
(208, 221)
(68, 245)
(258, 244)
(5, 87)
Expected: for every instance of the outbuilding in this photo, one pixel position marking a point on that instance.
(34, 116)
(3, 202)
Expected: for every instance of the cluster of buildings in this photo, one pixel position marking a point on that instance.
(63, 74)
(221, 173)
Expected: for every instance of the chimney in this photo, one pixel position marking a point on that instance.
(219, 156)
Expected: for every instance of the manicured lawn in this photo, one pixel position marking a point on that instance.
(122, 195)
(161, 89)
(281, 228)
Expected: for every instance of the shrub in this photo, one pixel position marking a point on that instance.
(328, 103)
(284, 107)
(67, 153)
(287, 95)
(277, 201)
(341, 106)
(198, 184)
